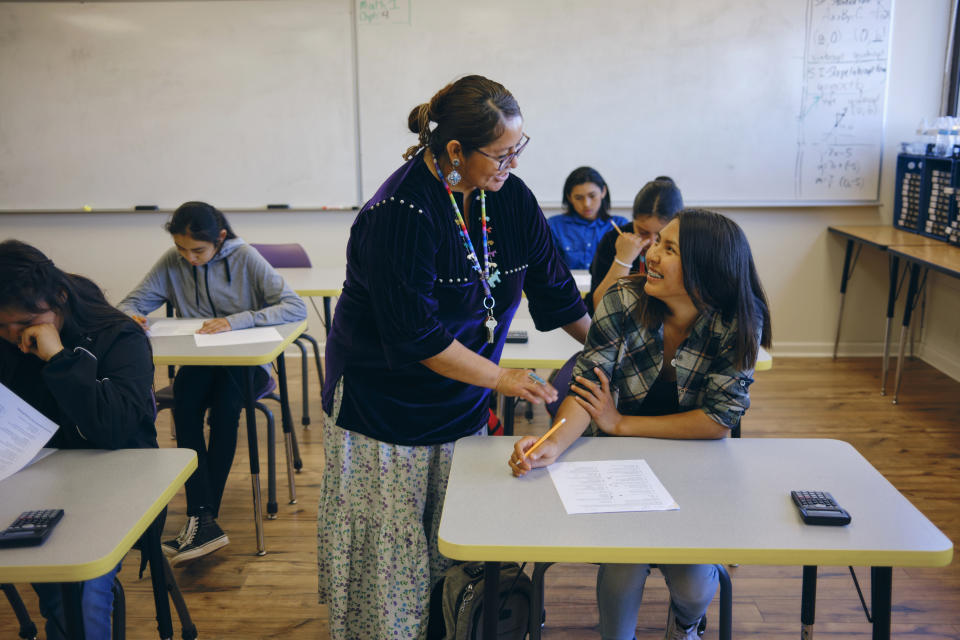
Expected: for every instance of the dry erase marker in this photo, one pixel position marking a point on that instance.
(543, 438)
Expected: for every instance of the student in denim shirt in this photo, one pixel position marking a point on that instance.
(586, 217)
(677, 350)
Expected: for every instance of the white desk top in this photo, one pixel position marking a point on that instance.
(315, 281)
(735, 507)
(183, 350)
(109, 499)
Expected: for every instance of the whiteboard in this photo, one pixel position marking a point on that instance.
(740, 101)
(246, 103)
(118, 104)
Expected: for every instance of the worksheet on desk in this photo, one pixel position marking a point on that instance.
(23, 432)
(240, 336)
(608, 486)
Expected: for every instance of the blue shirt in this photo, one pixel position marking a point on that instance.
(578, 239)
(410, 292)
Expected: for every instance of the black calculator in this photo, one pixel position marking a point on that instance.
(517, 337)
(30, 528)
(819, 507)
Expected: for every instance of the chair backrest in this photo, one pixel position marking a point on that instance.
(561, 382)
(284, 256)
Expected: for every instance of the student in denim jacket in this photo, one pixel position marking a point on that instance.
(586, 217)
(677, 349)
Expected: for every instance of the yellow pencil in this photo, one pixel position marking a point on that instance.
(616, 227)
(544, 437)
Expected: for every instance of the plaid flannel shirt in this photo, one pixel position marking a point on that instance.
(631, 356)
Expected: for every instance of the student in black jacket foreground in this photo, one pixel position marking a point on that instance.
(84, 365)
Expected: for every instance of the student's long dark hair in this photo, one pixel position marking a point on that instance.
(200, 221)
(660, 197)
(720, 277)
(29, 281)
(583, 175)
(470, 110)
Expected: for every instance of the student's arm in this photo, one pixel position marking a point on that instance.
(152, 291)
(577, 420)
(281, 304)
(626, 248)
(597, 401)
(107, 397)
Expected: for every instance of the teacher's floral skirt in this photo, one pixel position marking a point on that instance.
(377, 533)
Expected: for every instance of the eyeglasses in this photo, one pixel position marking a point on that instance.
(505, 160)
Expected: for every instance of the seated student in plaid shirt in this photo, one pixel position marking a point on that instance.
(669, 355)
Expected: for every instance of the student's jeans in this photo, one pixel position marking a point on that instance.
(222, 391)
(96, 602)
(620, 590)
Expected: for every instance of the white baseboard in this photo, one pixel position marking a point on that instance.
(825, 349)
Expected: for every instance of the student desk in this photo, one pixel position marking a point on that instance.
(942, 257)
(880, 237)
(110, 499)
(310, 282)
(735, 508)
(182, 350)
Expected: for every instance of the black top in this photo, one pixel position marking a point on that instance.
(410, 291)
(99, 389)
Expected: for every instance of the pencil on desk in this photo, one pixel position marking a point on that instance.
(544, 437)
(616, 227)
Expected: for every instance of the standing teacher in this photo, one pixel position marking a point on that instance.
(436, 264)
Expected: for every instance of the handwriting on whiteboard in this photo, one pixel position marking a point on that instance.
(371, 12)
(843, 100)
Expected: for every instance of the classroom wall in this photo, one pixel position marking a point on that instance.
(798, 260)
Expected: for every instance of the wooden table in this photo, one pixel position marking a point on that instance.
(182, 350)
(943, 258)
(735, 508)
(881, 237)
(110, 499)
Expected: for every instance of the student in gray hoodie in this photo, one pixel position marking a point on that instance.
(211, 273)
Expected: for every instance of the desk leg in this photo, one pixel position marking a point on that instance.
(254, 462)
(326, 315)
(881, 587)
(843, 293)
(894, 266)
(288, 435)
(808, 602)
(907, 310)
(73, 609)
(158, 577)
(491, 599)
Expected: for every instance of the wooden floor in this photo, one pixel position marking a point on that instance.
(916, 445)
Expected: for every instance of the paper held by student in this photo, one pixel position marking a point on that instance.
(609, 486)
(23, 432)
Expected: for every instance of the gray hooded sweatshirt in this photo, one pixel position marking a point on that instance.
(237, 284)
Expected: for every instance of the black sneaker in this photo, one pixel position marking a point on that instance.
(172, 547)
(200, 540)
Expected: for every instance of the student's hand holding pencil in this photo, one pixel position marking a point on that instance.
(630, 246)
(530, 452)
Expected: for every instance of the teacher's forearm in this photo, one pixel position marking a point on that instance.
(459, 363)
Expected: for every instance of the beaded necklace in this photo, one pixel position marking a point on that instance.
(487, 279)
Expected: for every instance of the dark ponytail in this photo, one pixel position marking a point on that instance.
(31, 282)
(470, 110)
(201, 221)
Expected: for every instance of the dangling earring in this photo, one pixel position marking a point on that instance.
(454, 176)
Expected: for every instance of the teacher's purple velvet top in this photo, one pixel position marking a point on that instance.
(410, 292)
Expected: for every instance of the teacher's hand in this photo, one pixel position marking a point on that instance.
(42, 340)
(518, 383)
(214, 325)
(598, 401)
